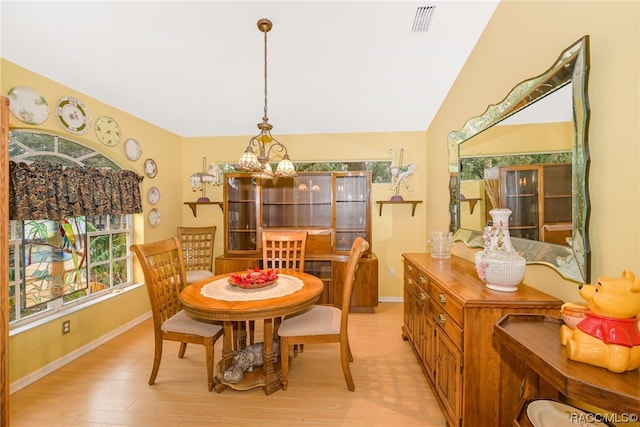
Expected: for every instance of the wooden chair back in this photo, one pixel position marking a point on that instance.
(164, 274)
(358, 248)
(283, 250)
(197, 247)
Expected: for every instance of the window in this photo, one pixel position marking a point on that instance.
(56, 263)
(380, 169)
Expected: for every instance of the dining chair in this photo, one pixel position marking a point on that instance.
(197, 250)
(164, 274)
(324, 323)
(281, 250)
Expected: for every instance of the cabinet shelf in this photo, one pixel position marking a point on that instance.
(295, 204)
(557, 196)
(194, 206)
(413, 203)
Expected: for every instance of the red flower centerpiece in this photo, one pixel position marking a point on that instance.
(253, 279)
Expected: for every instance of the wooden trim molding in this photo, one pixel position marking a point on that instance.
(4, 262)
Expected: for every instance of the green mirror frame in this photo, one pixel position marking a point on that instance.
(572, 261)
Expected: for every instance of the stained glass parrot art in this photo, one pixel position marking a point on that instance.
(66, 231)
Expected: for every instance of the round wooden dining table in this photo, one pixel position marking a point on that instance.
(231, 312)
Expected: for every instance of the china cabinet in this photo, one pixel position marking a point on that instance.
(449, 317)
(333, 207)
(539, 197)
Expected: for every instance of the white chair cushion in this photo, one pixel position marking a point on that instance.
(195, 275)
(182, 323)
(319, 320)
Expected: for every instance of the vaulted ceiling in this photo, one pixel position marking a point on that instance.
(196, 68)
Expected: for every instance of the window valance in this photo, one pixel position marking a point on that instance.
(43, 190)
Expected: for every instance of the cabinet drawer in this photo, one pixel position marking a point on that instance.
(451, 328)
(416, 275)
(446, 302)
(412, 286)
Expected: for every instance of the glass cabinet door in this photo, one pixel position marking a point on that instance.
(300, 202)
(241, 213)
(519, 187)
(352, 213)
(557, 193)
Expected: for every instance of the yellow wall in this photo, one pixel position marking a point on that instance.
(512, 49)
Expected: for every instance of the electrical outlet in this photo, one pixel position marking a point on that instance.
(66, 327)
(392, 271)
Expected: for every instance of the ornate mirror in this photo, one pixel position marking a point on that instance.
(537, 134)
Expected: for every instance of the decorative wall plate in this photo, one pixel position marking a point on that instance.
(154, 217)
(108, 130)
(132, 149)
(27, 105)
(73, 115)
(153, 195)
(150, 168)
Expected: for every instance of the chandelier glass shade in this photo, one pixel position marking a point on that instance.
(258, 154)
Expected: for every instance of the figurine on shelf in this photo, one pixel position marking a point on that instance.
(211, 175)
(608, 336)
(400, 174)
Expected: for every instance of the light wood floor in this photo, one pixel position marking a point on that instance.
(108, 386)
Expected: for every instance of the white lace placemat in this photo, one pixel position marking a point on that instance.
(222, 290)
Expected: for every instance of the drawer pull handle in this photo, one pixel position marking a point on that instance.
(521, 392)
(409, 268)
(423, 296)
(422, 280)
(442, 298)
(441, 318)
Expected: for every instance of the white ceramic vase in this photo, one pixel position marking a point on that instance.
(499, 265)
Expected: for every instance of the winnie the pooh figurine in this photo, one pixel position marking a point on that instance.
(608, 336)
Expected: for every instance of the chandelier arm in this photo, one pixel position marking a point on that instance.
(255, 142)
(277, 147)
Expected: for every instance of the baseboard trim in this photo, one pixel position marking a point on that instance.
(40, 373)
(390, 299)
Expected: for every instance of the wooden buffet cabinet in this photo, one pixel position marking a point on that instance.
(333, 207)
(449, 318)
(531, 350)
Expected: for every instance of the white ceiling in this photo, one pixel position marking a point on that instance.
(195, 68)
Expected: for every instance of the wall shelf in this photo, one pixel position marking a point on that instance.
(414, 203)
(194, 206)
(472, 203)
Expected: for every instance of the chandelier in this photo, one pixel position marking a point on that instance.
(257, 156)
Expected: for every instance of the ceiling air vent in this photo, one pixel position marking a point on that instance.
(422, 21)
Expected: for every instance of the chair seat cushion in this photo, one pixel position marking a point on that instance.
(182, 323)
(319, 320)
(195, 275)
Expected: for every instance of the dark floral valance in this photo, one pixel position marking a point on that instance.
(43, 190)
